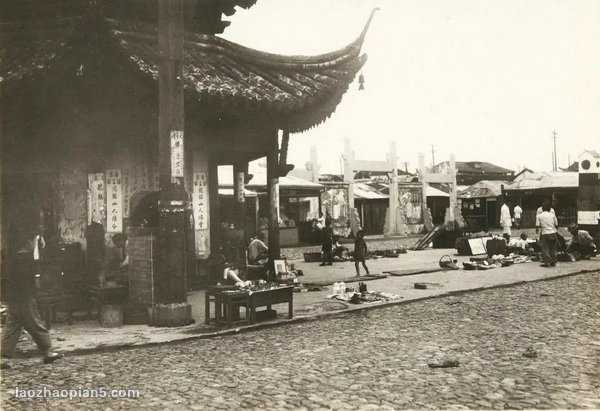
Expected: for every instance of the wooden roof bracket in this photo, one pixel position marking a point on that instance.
(284, 168)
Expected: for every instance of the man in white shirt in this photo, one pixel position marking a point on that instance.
(539, 211)
(517, 211)
(546, 201)
(505, 221)
(547, 223)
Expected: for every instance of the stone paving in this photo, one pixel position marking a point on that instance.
(373, 359)
(86, 335)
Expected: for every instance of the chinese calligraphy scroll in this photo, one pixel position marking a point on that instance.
(114, 201)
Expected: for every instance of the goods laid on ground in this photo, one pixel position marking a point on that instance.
(356, 296)
(495, 261)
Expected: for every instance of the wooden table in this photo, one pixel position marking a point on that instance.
(227, 299)
(269, 297)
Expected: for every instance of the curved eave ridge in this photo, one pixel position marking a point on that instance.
(215, 68)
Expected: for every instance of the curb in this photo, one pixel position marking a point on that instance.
(300, 319)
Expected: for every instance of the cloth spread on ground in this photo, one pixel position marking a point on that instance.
(366, 297)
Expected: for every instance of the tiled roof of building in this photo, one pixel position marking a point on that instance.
(259, 180)
(295, 92)
(484, 189)
(556, 179)
(478, 167)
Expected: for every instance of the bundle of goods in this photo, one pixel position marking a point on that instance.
(479, 265)
(495, 261)
(340, 292)
(395, 252)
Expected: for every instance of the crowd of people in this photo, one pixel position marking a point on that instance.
(580, 246)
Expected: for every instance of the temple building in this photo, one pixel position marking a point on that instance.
(80, 116)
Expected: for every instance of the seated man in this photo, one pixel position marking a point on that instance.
(258, 250)
(581, 242)
(521, 243)
(337, 249)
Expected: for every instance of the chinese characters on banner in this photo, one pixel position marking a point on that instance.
(126, 190)
(200, 209)
(96, 198)
(240, 183)
(176, 153)
(114, 202)
(200, 201)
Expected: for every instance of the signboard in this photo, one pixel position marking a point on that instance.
(200, 201)
(126, 189)
(96, 198)
(240, 184)
(410, 202)
(114, 201)
(176, 153)
(477, 246)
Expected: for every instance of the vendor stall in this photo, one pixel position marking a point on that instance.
(298, 204)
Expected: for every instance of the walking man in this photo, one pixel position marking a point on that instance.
(22, 312)
(517, 212)
(505, 221)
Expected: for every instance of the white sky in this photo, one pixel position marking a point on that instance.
(485, 80)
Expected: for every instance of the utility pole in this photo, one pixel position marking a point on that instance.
(433, 158)
(555, 154)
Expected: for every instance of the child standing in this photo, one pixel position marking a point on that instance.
(360, 252)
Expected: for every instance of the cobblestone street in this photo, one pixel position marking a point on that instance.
(376, 359)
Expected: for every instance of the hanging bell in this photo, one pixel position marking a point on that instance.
(361, 82)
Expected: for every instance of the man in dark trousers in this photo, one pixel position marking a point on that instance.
(22, 311)
(327, 247)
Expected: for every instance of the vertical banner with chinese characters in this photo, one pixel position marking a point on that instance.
(114, 201)
(200, 210)
(200, 201)
(96, 198)
(176, 153)
(126, 189)
(239, 177)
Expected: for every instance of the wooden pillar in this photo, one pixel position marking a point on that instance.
(171, 278)
(213, 196)
(273, 188)
(171, 110)
(239, 174)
